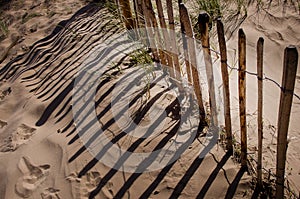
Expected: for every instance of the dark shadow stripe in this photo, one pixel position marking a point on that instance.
(91, 9)
(52, 106)
(64, 115)
(66, 104)
(213, 175)
(233, 186)
(68, 61)
(67, 127)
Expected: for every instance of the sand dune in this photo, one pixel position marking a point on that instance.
(52, 146)
(279, 26)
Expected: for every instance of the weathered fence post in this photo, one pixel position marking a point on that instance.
(242, 95)
(203, 20)
(286, 98)
(135, 8)
(187, 25)
(173, 39)
(166, 37)
(126, 14)
(183, 21)
(226, 93)
(260, 46)
(140, 22)
(149, 31)
(154, 25)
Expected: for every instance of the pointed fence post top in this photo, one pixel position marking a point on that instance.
(261, 40)
(292, 53)
(242, 33)
(203, 17)
(220, 23)
(290, 65)
(203, 21)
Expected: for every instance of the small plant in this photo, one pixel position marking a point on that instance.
(112, 6)
(26, 17)
(233, 13)
(74, 34)
(3, 30)
(212, 7)
(142, 58)
(237, 152)
(51, 14)
(18, 4)
(223, 136)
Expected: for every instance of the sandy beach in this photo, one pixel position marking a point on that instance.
(58, 139)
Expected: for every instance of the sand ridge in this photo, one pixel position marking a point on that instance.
(45, 156)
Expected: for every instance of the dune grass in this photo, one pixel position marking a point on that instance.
(234, 12)
(26, 17)
(141, 58)
(212, 7)
(3, 30)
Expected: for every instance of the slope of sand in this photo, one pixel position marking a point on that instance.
(26, 22)
(32, 159)
(279, 26)
(42, 155)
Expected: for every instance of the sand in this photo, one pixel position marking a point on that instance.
(278, 25)
(42, 154)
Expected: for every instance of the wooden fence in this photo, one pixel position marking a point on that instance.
(145, 16)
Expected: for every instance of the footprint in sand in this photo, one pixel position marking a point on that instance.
(2, 124)
(89, 182)
(4, 93)
(19, 137)
(50, 193)
(33, 177)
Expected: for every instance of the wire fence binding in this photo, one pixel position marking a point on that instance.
(255, 74)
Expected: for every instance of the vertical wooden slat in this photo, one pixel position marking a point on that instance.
(126, 14)
(186, 55)
(226, 92)
(136, 19)
(286, 99)
(144, 25)
(173, 39)
(139, 13)
(185, 46)
(242, 95)
(157, 36)
(260, 46)
(186, 24)
(149, 32)
(166, 37)
(203, 20)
